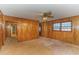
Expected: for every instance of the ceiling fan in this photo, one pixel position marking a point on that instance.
(42, 15)
(46, 15)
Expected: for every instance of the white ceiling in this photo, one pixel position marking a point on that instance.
(32, 10)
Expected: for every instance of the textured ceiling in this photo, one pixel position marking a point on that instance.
(32, 10)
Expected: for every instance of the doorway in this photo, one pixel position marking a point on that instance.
(40, 29)
(11, 30)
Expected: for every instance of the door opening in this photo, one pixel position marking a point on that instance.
(11, 30)
(40, 29)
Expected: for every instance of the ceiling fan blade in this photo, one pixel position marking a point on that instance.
(51, 16)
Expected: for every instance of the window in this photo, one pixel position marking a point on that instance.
(66, 26)
(56, 26)
(63, 26)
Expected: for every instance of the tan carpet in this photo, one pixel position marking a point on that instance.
(41, 46)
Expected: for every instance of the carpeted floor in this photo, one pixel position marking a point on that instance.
(40, 46)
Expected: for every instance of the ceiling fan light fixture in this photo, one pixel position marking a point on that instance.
(44, 18)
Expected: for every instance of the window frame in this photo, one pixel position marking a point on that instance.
(61, 26)
(65, 22)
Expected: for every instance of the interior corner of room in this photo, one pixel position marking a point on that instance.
(64, 29)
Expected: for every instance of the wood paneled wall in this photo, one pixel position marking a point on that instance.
(71, 37)
(1, 31)
(44, 29)
(27, 29)
(61, 35)
(75, 23)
